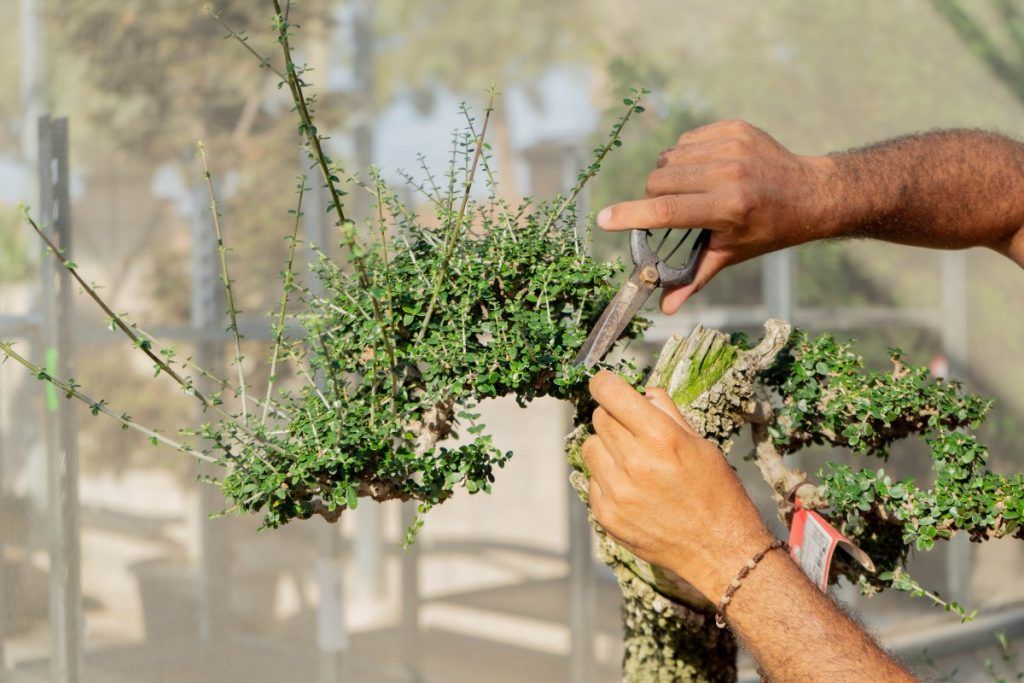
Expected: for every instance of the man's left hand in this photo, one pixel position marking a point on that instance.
(665, 493)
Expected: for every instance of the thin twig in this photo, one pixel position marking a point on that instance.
(244, 41)
(584, 177)
(144, 345)
(288, 276)
(457, 228)
(222, 252)
(308, 129)
(335, 381)
(501, 203)
(309, 378)
(387, 281)
(430, 176)
(272, 406)
(99, 406)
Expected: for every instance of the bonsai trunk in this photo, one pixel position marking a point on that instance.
(670, 632)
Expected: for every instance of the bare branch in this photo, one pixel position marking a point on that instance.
(288, 277)
(456, 232)
(244, 42)
(226, 277)
(71, 391)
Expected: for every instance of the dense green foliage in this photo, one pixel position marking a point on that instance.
(828, 397)
(514, 295)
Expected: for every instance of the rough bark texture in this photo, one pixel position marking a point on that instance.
(669, 627)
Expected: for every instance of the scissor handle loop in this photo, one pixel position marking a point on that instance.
(642, 254)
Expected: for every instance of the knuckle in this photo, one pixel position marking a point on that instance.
(657, 392)
(740, 203)
(652, 184)
(663, 438)
(599, 380)
(600, 420)
(737, 127)
(734, 147)
(734, 169)
(664, 210)
(587, 450)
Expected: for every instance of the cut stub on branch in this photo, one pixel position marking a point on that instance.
(669, 626)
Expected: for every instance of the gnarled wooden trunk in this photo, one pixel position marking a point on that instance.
(670, 633)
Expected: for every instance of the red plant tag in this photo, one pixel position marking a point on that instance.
(813, 541)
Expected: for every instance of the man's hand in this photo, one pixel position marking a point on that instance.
(944, 190)
(738, 181)
(663, 492)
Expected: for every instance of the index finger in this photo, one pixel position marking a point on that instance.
(625, 404)
(700, 210)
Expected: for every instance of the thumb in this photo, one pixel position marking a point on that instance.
(712, 264)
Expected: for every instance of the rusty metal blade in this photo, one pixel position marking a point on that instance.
(616, 317)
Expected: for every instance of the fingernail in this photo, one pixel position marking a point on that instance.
(604, 217)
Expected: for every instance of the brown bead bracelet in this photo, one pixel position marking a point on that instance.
(735, 584)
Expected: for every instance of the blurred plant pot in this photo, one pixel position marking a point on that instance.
(169, 589)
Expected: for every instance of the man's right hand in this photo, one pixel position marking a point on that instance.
(944, 190)
(754, 194)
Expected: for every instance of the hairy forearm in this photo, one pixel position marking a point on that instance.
(947, 189)
(796, 633)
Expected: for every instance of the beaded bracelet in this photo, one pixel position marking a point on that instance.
(735, 584)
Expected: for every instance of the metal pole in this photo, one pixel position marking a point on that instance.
(409, 573)
(582, 581)
(30, 444)
(777, 284)
(332, 635)
(582, 587)
(369, 557)
(33, 92)
(954, 346)
(208, 313)
(33, 76)
(62, 456)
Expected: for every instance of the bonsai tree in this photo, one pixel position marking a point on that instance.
(427, 315)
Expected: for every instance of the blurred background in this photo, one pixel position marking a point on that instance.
(501, 587)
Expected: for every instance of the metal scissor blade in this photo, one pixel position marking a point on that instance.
(616, 316)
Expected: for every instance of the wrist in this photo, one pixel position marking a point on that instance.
(719, 564)
(828, 203)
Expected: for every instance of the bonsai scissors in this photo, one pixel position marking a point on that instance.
(650, 272)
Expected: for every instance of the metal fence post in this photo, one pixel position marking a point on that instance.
(332, 634)
(582, 580)
(409, 572)
(367, 550)
(777, 284)
(207, 312)
(62, 456)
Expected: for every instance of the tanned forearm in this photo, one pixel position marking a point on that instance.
(947, 189)
(796, 633)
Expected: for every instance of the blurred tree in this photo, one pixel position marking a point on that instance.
(466, 45)
(996, 39)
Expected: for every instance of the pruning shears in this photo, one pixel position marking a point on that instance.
(650, 272)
